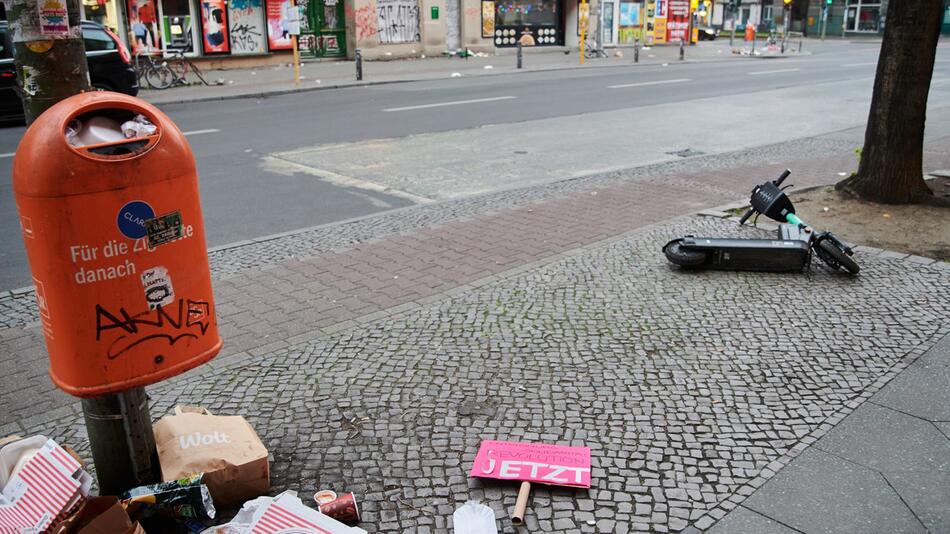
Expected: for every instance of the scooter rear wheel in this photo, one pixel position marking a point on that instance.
(680, 256)
(838, 258)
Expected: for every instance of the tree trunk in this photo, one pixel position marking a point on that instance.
(891, 168)
(49, 56)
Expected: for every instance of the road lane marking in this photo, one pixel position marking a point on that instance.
(859, 64)
(454, 103)
(772, 71)
(199, 132)
(642, 84)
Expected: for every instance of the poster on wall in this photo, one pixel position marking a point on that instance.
(661, 9)
(214, 27)
(659, 31)
(398, 21)
(246, 26)
(583, 16)
(144, 26)
(488, 18)
(279, 16)
(629, 14)
(677, 21)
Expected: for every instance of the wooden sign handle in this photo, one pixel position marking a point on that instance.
(517, 518)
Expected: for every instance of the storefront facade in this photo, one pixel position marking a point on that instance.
(529, 22)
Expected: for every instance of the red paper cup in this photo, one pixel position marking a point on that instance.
(324, 497)
(344, 509)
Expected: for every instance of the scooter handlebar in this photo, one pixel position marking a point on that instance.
(745, 217)
(782, 178)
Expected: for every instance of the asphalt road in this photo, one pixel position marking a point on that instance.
(242, 199)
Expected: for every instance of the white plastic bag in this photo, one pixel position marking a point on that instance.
(474, 518)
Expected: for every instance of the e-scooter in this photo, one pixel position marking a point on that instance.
(790, 251)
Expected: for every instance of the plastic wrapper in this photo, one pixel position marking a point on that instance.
(138, 127)
(185, 498)
(474, 518)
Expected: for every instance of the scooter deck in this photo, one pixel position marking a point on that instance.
(772, 255)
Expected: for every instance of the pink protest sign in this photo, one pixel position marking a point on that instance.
(533, 462)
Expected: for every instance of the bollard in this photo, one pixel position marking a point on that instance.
(682, 51)
(784, 37)
(636, 51)
(800, 37)
(359, 65)
(519, 54)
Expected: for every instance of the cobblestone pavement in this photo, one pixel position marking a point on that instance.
(690, 388)
(308, 283)
(300, 284)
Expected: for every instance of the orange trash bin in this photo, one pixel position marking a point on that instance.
(749, 31)
(116, 245)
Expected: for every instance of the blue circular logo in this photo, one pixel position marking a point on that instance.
(132, 217)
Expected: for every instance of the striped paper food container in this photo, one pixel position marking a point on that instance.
(287, 515)
(41, 492)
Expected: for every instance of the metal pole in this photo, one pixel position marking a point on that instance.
(753, 42)
(519, 54)
(359, 65)
(636, 51)
(732, 36)
(54, 66)
(682, 50)
(824, 21)
(120, 436)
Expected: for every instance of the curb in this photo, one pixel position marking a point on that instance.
(338, 85)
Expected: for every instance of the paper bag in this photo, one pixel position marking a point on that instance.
(99, 515)
(225, 448)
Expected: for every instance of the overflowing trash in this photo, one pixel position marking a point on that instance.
(474, 518)
(283, 513)
(186, 498)
(101, 129)
(43, 484)
(207, 459)
(225, 448)
(139, 126)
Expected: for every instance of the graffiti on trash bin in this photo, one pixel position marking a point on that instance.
(188, 319)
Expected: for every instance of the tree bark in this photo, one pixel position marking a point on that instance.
(891, 168)
(50, 66)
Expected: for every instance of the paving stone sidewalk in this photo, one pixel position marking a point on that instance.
(377, 368)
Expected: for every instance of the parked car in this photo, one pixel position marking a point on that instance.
(110, 67)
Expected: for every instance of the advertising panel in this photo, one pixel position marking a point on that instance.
(144, 25)
(279, 16)
(214, 27)
(246, 25)
(677, 22)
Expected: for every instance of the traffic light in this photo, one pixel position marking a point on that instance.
(828, 2)
(787, 3)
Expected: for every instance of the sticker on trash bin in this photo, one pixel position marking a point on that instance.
(158, 287)
(163, 229)
(132, 217)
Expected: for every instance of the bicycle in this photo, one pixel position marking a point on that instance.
(180, 65)
(156, 74)
(591, 51)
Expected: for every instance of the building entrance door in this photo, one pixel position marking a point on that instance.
(326, 29)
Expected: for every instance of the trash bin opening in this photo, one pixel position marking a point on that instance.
(111, 133)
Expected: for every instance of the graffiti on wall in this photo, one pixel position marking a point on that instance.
(398, 21)
(247, 26)
(365, 20)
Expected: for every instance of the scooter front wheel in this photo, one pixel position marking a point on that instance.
(835, 257)
(683, 257)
